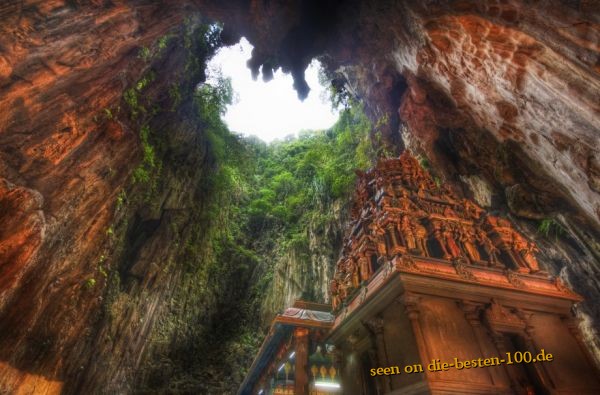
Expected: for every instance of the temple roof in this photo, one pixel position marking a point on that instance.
(302, 314)
(303, 317)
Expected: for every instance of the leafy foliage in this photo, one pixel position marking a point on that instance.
(296, 177)
(550, 226)
(242, 202)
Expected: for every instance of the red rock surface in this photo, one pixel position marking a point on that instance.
(507, 91)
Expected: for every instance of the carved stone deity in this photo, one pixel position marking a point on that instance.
(487, 244)
(355, 276)
(422, 190)
(471, 209)
(439, 236)
(420, 233)
(451, 246)
(334, 292)
(342, 289)
(407, 233)
(467, 238)
(404, 202)
(528, 255)
(365, 268)
(525, 251)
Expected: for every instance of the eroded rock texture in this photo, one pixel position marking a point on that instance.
(104, 170)
(501, 97)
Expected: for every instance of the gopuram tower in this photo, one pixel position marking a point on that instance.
(431, 295)
(427, 278)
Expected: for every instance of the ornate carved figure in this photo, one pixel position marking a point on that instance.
(491, 250)
(420, 233)
(399, 207)
(404, 202)
(407, 233)
(354, 275)
(334, 293)
(467, 238)
(422, 190)
(451, 246)
(365, 268)
(525, 251)
(392, 240)
(528, 256)
(471, 209)
(343, 291)
(439, 237)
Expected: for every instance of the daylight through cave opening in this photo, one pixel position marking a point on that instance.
(144, 248)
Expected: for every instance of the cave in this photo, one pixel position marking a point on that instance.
(133, 259)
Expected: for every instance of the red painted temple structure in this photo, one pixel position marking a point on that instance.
(294, 358)
(425, 276)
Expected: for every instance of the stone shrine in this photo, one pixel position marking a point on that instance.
(427, 278)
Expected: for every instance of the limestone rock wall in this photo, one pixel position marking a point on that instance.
(505, 93)
(305, 272)
(103, 170)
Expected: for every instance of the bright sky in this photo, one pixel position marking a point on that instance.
(270, 110)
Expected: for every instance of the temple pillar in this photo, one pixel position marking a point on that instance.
(301, 375)
(375, 325)
(411, 306)
(372, 354)
(472, 314)
(498, 340)
(395, 243)
(541, 368)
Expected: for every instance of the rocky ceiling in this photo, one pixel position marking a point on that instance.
(465, 77)
(502, 97)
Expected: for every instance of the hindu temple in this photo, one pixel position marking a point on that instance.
(426, 277)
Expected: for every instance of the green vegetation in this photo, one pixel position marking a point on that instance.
(90, 283)
(145, 81)
(265, 194)
(297, 178)
(131, 98)
(147, 54)
(121, 199)
(264, 200)
(144, 54)
(216, 210)
(277, 190)
(108, 113)
(162, 42)
(142, 173)
(424, 162)
(550, 226)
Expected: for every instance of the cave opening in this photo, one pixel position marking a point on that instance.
(268, 108)
(147, 240)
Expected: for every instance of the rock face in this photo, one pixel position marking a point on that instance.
(103, 171)
(506, 93)
(519, 74)
(305, 273)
